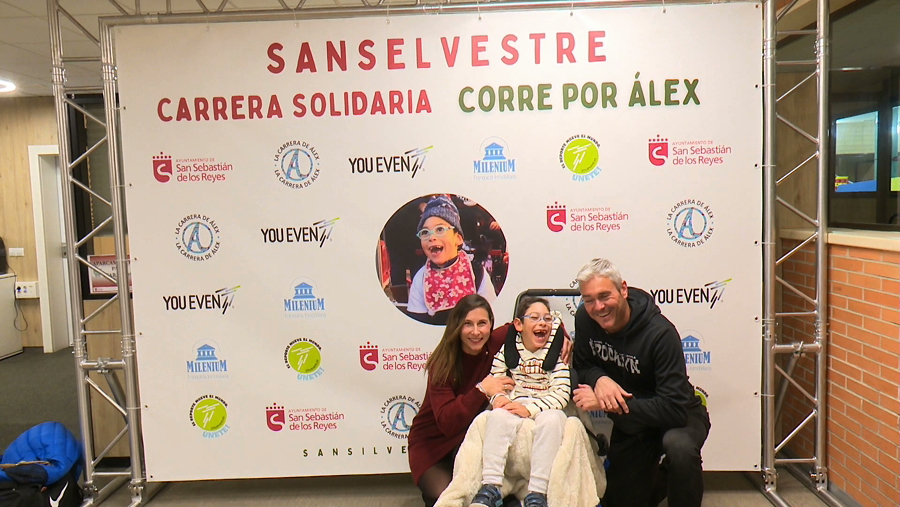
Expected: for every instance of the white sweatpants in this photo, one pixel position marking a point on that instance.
(501, 430)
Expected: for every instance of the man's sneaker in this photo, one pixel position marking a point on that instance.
(535, 500)
(488, 496)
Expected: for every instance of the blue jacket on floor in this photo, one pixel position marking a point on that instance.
(49, 441)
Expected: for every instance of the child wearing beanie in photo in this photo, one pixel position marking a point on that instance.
(448, 275)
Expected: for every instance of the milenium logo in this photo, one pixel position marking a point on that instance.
(695, 357)
(318, 232)
(207, 364)
(305, 303)
(496, 163)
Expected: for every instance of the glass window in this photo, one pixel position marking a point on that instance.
(863, 102)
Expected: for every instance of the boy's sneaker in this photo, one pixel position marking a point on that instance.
(488, 496)
(535, 500)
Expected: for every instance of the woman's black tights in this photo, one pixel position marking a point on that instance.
(436, 479)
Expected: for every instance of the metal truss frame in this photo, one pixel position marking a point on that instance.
(125, 399)
(776, 346)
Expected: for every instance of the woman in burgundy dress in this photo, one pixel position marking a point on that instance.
(459, 386)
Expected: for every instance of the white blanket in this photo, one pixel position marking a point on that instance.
(576, 479)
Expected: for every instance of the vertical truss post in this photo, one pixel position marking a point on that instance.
(773, 344)
(132, 404)
(769, 256)
(79, 342)
(98, 483)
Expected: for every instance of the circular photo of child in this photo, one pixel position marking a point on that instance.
(435, 250)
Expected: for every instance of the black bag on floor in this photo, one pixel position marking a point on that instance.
(63, 493)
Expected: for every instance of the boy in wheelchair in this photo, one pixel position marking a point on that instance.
(531, 357)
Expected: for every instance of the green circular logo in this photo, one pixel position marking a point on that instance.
(210, 414)
(581, 155)
(700, 393)
(304, 357)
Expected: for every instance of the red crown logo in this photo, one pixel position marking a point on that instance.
(556, 217)
(368, 356)
(162, 167)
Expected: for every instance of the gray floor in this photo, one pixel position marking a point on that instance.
(37, 387)
(723, 489)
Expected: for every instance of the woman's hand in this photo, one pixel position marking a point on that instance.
(517, 408)
(565, 354)
(496, 385)
(585, 399)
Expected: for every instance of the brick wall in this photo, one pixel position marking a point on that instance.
(863, 368)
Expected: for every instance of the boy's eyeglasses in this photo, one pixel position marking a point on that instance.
(534, 318)
(438, 231)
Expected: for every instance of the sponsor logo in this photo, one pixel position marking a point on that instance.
(595, 219)
(556, 217)
(368, 356)
(275, 417)
(304, 356)
(711, 293)
(412, 161)
(695, 357)
(495, 163)
(162, 167)
(296, 164)
(302, 419)
(197, 237)
(702, 394)
(353, 451)
(573, 302)
(658, 151)
(392, 359)
(189, 170)
(222, 299)
(690, 223)
(206, 363)
(210, 413)
(318, 232)
(702, 152)
(304, 302)
(581, 155)
(397, 414)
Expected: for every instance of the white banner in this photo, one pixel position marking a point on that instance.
(277, 172)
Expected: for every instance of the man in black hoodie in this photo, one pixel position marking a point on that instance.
(630, 363)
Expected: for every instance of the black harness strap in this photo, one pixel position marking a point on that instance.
(511, 352)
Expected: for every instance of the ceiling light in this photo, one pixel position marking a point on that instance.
(6, 86)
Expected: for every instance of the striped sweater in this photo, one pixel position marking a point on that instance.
(547, 390)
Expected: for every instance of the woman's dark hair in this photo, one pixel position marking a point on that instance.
(444, 365)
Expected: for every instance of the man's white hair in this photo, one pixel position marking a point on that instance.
(600, 268)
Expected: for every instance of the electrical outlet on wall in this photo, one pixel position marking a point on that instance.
(17, 252)
(26, 290)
